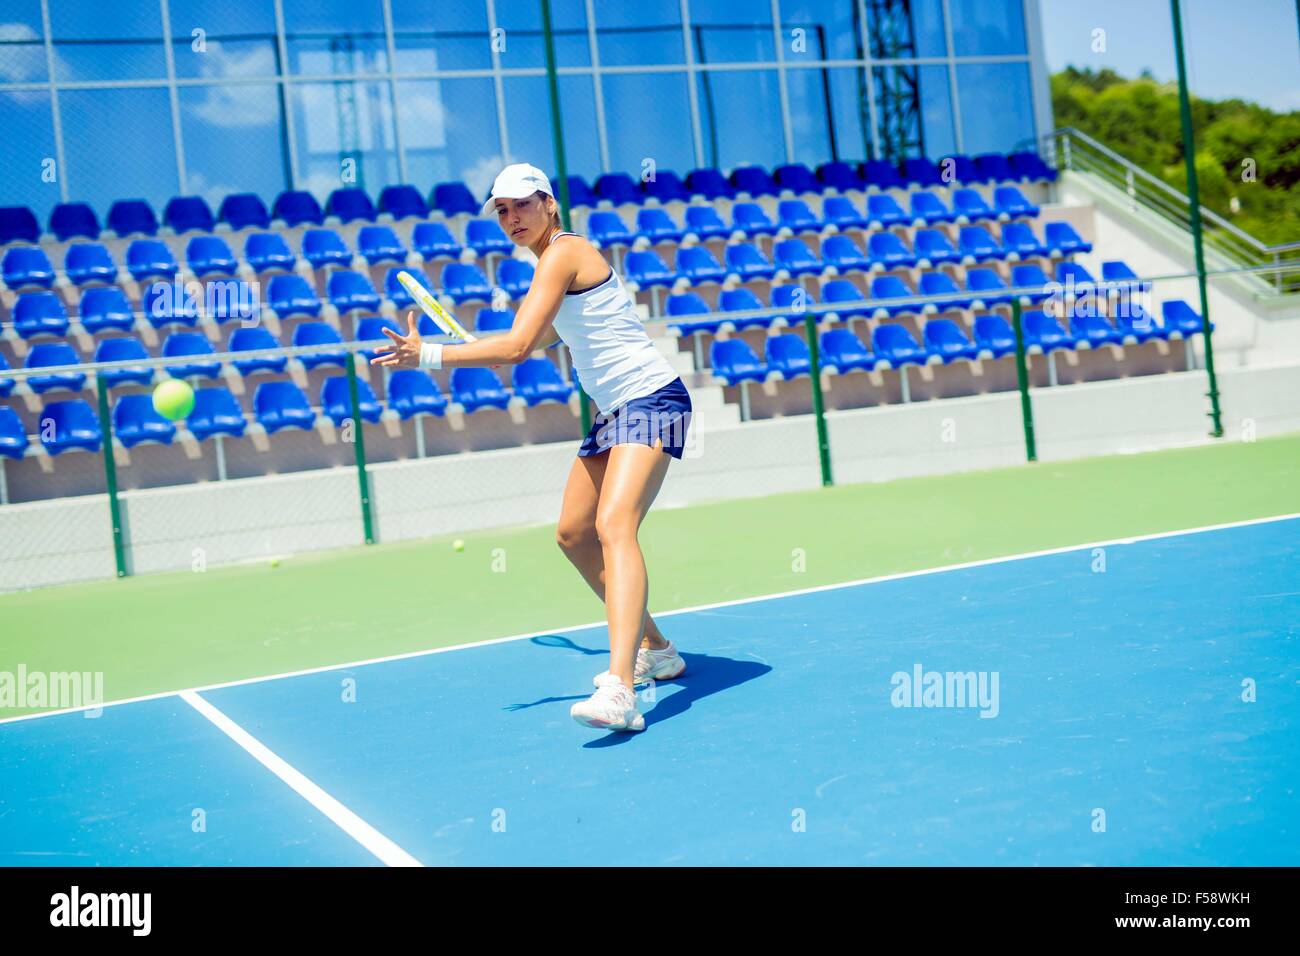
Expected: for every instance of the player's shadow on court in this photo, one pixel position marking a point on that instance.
(705, 675)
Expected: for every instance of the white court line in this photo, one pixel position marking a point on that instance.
(943, 569)
(385, 849)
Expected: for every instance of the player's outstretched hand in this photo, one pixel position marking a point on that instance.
(404, 352)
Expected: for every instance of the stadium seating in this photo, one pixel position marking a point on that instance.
(251, 339)
(216, 412)
(788, 355)
(73, 220)
(190, 345)
(412, 392)
(264, 251)
(27, 267)
(537, 380)
(13, 437)
(325, 247)
(734, 362)
(50, 354)
(150, 258)
(40, 313)
(319, 333)
(704, 223)
(465, 282)
(123, 349)
(843, 351)
(485, 237)
(402, 202)
(73, 424)
(336, 400)
(280, 405)
(666, 186)
(129, 217)
(432, 240)
(515, 276)
(209, 255)
(351, 291)
(244, 210)
(135, 420)
(184, 214)
(350, 204)
(296, 208)
(947, 342)
(379, 244)
(894, 344)
(454, 199)
(475, 388)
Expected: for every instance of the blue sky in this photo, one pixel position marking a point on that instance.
(1235, 48)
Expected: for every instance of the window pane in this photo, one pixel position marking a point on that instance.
(528, 120)
(828, 113)
(238, 39)
(335, 123)
(22, 44)
(449, 132)
(233, 141)
(444, 36)
(326, 37)
(94, 40)
(830, 29)
(727, 32)
(753, 94)
(980, 27)
(894, 37)
(27, 153)
(119, 145)
(648, 115)
(997, 110)
(913, 111)
(524, 41)
(645, 32)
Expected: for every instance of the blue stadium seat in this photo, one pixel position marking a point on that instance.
(883, 211)
(704, 223)
(292, 295)
(216, 413)
(89, 262)
(165, 305)
(667, 186)
(123, 349)
(796, 178)
(794, 214)
(754, 181)
(432, 240)
(75, 425)
(656, 226)
(752, 219)
(1012, 204)
(606, 228)
(190, 345)
(986, 288)
(395, 292)
(892, 287)
(254, 339)
(135, 420)
(264, 251)
(336, 400)
(1027, 275)
(1030, 166)
(350, 291)
(928, 208)
(844, 352)
(894, 344)
(799, 300)
(319, 333)
(465, 282)
(188, 213)
(698, 265)
(1136, 325)
(788, 354)
(794, 257)
(295, 207)
(743, 300)
(48, 355)
(1091, 328)
(207, 255)
(350, 204)
(709, 183)
(748, 263)
(963, 168)
(515, 276)
(280, 405)
(839, 175)
(839, 291)
(940, 283)
(380, 244)
(494, 320)
(1061, 240)
(888, 251)
(485, 237)
(40, 313)
(73, 220)
(970, 206)
(840, 212)
(412, 392)
(844, 254)
(734, 362)
(18, 224)
(922, 172)
(933, 247)
(371, 329)
(689, 304)
(150, 258)
(881, 174)
(27, 267)
(946, 341)
(1019, 238)
(1075, 276)
(476, 388)
(645, 269)
(105, 307)
(128, 217)
(1116, 272)
(244, 210)
(325, 247)
(402, 201)
(453, 199)
(13, 436)
(1180, 319)
(537, 380)
(7, 383)
(977, 245)
(994, 335)
(580, 193)
(617, 188)
(995, 168)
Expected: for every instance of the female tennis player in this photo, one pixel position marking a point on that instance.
(645, 411)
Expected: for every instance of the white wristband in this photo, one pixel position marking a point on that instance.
(431, 355)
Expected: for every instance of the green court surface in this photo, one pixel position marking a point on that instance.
(158, 633)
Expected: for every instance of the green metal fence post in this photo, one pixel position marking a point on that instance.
(561, 167)
(1022, 376)
(819, 409)
(110, 475)
(359, 447)
(1194, 200)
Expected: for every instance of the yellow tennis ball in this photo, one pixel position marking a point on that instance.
(173, 399)
(458, 544)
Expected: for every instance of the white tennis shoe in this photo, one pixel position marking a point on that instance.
(662, 664)
(612, 707)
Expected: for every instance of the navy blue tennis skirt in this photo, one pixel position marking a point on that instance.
(664, 415)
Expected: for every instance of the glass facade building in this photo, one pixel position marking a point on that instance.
(156, 98)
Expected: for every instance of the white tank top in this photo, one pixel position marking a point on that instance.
(612, 354)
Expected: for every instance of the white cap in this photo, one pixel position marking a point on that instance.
(517, 181)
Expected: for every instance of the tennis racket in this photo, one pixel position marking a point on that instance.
(433, 308)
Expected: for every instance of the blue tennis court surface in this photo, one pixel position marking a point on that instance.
(1119, 700)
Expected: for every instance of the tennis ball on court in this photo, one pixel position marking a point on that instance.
(173, 399)
(275, 562)
(458, 545)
